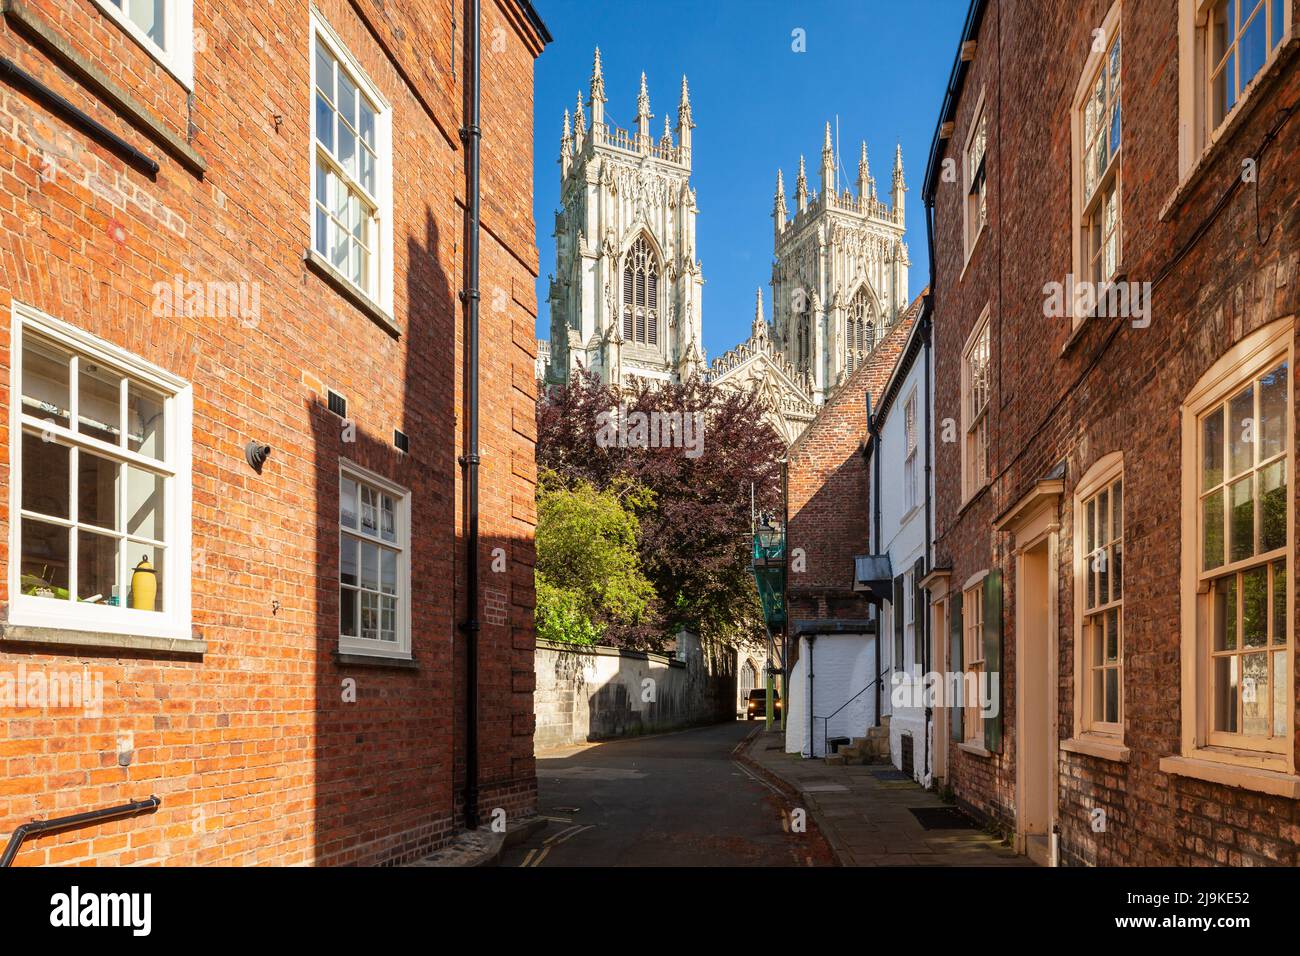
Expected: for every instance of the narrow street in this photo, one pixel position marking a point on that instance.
(671, 800)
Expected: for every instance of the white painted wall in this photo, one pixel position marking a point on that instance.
(902, 536)
(842, 666)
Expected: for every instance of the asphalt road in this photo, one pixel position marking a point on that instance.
(673, 800)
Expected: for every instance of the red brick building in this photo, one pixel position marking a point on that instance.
(224, 224)
(1114, 509)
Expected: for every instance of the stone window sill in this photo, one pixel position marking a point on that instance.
(372, 660)
(321, 266)
(1106, 748)
(1277, 783)
(127, 644)
(974, 749)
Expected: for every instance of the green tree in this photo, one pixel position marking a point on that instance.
(589, 576)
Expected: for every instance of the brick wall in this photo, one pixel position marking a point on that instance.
(251, 747)
(830, 493)
(1074, 400)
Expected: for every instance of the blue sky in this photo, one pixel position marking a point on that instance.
(881, 66)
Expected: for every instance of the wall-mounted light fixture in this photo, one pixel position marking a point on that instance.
(256, 453)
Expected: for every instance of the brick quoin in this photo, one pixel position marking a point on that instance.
(1058, 398)
(254, 754)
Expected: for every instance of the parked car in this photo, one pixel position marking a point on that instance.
(756, 706)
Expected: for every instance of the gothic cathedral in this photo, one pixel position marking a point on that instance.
(626, 294)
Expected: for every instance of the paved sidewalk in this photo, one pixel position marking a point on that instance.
(864, 813)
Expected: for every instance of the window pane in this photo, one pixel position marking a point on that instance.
(388, 571)
(144, 503)
(1103, 518)
(45, 477)
(1272, 412)
(1225, 694)
(1242, 520)
(1277, 21)
(388, 619)
(366, 125)
(1212, 450)
(148, 15)
(1255, 698)
(348, 561)
(324, 72)
(1098, 695)
(388, 526)
(1117, 508)
(347, 101)
(1241, 431)
(1091, 574)
(1272, 518)
(144, 418)
(1281, 705)
(97, 568)
(1090, 527)
(369, 510)
(1117, 572)
(1254, 608)
(348, 612)
(44, 559)
(46, 372)
(99, 393)
(348, 503)
(369, 566)
(1103, 577)
(154, 555)
(1281, 599)
(369, 615)
(324, 123)
(1112, 696)
(1098, 637)
(347, 149)
(1212, 530)
(97, 480)
(1253, 48)
(1225, 614)
(1112, 634)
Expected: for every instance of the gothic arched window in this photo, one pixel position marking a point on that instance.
(804, 336)
(860, 332)
(641, 294)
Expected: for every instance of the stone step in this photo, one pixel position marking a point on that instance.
(835, 760)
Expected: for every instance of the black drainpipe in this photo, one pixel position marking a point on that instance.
(927, 336)
(875, 525)
(471, 135)
(24, 831)
(812, 725)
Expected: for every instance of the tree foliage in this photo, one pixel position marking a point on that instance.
(694, 541)
(588, 570)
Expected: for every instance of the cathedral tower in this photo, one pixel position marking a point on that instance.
(625, 296)
(839, 276)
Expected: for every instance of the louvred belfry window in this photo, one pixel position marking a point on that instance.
(641, 295)
(860, 332)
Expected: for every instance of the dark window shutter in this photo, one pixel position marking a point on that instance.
(954, 660)
(993, 656)
(897, 610)
(920, 609)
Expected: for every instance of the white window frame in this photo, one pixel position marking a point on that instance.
(971, 232)
(177, 54)
(972, 480)
(1102, 476)
(401, 648)
(1248, 359)
(973, 659)
(911, 497)
(1085, 206)
(383, 252)
(1196, 135)
(174, 620)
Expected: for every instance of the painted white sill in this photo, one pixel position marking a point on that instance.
(1277, 783)
(974, 749)
(1094, 745)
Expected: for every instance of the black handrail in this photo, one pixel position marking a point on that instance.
(37, 827)
(826, 721)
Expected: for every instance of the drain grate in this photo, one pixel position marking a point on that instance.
(942, 818)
